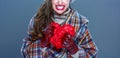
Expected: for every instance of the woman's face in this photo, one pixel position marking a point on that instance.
(60, 6)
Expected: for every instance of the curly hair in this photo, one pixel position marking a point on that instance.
(42, 19)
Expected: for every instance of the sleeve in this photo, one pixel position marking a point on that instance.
(26, 40)
(86, 45)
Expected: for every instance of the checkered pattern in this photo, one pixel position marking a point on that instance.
(83, 39)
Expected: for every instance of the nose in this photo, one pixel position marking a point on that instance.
(60, 1)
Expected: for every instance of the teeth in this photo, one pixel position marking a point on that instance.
(60, 7)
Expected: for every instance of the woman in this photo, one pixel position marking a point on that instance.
(42, 40)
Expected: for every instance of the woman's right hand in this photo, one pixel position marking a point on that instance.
(48, 33)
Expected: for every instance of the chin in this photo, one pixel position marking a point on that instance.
(59, 12)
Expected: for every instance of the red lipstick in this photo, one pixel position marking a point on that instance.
(60, 7)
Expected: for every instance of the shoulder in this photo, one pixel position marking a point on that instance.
(31, 24)
(32, 20)
(80, 17)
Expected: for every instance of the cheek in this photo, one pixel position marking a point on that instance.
(54, 3)
(66, 2)
(54, 7)
(66, 5)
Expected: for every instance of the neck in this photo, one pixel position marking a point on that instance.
(61, 18)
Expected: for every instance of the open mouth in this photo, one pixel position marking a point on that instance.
(60, 7)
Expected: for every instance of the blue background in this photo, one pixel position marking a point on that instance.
(104, 16)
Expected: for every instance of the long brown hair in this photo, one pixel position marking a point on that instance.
(42, 19)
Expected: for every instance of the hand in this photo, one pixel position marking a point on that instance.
(70, 45)
(48, 32)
